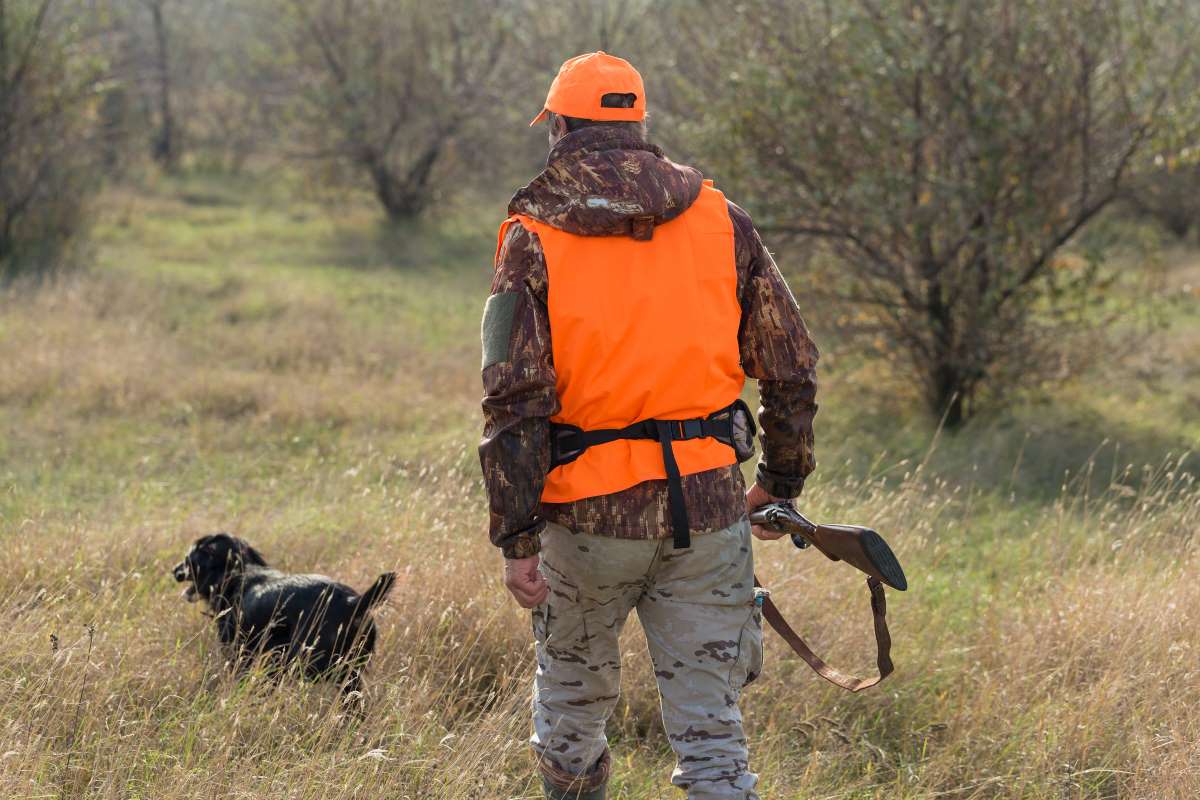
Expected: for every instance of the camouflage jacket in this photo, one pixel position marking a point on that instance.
(519, 377)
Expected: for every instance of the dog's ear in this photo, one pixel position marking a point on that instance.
(220, 551)
(245, 553)
(251, 556)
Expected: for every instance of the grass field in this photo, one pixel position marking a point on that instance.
(239, 357)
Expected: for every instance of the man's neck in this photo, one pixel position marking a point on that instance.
(599, 137)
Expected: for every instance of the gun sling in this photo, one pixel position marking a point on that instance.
(568, 442)
(883, 641)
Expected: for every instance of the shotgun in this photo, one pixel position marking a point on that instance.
(859, 547)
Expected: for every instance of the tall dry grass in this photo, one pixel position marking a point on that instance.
(1043, 651)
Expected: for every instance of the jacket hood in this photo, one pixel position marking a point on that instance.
(600, 181)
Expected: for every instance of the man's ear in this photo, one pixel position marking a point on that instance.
(557, 128)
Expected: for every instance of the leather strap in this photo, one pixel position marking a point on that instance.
(883, 641)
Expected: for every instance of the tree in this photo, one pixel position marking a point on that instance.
(211, 84)
(393, 86)
(942, 152)
(52, 78)
(166, 139)
(159, 66)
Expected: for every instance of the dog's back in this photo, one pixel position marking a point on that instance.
(326, 623)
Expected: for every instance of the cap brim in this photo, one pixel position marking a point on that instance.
(541, 116)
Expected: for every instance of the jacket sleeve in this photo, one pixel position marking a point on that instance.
(778, 352)
(519, 393)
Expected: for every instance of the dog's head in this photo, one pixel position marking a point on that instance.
(212, 562)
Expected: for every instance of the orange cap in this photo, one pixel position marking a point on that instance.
(583, 80)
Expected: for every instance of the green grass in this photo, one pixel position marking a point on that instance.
(260, 357)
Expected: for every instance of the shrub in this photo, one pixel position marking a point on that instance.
(52, 79)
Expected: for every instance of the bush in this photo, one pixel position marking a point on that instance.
(52, 80)
(394, 90)
(944, 152)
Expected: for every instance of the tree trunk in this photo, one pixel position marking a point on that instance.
(948, 397)
(8, 218)
(398, 199)
(3, 51)
(1177, 223)
(947, 375)
(166, 146)
(404, 196)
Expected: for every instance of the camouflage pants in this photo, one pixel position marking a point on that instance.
(705, 639)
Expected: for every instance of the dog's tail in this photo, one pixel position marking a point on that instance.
(375, 595)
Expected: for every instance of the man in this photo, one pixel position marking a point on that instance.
(630, 300)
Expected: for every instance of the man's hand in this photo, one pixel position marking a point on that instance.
(526, 583)
(757, 496)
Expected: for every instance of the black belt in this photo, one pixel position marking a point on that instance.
(568, 442)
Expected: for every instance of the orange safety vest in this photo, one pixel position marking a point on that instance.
(642, 330)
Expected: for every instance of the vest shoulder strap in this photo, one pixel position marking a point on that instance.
(500, 240)
(529, 223)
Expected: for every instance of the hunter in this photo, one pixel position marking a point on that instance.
(629, 303)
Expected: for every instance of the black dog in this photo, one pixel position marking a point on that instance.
(310, 619)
